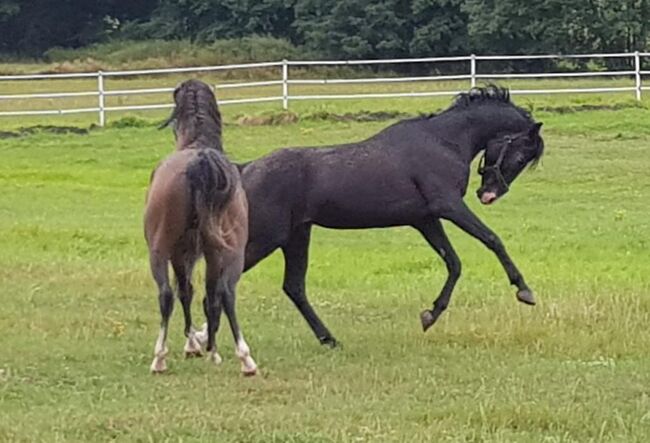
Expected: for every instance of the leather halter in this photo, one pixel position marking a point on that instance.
(496, 167)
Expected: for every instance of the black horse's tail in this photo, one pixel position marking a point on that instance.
(213, 181)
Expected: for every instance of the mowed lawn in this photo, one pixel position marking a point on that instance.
(79, 313)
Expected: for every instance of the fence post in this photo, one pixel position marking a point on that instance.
(637, 74)
(472, 70)
(285, 85)
(100, 95)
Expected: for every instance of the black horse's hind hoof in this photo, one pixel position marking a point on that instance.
(526, 296)
(330, 342)
(428, 319)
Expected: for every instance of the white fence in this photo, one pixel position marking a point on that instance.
(472, 75)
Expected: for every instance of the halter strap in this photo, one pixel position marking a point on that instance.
(496, 167)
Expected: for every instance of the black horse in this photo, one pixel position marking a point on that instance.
(413, 173)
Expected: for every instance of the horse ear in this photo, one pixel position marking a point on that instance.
(177, 89)
(534, 130)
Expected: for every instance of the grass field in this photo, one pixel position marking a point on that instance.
(301, 107)
(79, 311)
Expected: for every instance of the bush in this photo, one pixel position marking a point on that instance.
(157, 53)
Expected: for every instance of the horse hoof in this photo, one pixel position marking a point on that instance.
(427, 319)
(215, 358)
(526, 296)
(192, 347)
(158, 366)
(193, 354)
(248, 367)
(330, 342)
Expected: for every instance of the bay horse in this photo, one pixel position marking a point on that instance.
(413, 173)
(195, 207)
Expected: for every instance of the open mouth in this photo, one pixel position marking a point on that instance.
(487, 198)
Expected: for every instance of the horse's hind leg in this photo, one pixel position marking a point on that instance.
(212, 305)
(248, 365)
(158, 264)
(183, 266)
(296, 256)
(435, 235)
(226, 291)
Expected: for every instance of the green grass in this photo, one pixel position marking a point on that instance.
(79, 311)
(301, 107)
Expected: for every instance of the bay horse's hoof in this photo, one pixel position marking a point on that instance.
(193, 354)
(427, 318)
(526, 296)
(158, 366)
(192, 347)
(214, 358)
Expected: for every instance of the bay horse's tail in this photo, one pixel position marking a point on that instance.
(213, 181)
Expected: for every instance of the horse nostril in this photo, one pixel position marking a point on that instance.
(488, 197)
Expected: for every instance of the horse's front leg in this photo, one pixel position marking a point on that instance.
(466, 220)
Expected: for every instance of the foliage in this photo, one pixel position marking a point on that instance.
(177, 52)
(557, 25)
(209, 20)
(440, 28)
(336, 28)
(31, 27)
(353, 28)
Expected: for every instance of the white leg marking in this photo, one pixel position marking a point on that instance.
(214, 357)
(192, 346)
(160, 352)
(243, 352)
(202, 335)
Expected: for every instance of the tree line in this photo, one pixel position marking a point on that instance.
(336, 28)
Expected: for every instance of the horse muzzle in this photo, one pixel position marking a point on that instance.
(488, 197)
(489, 194)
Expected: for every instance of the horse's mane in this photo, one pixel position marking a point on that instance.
(480, 96)
(496, 94)
(197, 116)
(490, 93)
(485, 95)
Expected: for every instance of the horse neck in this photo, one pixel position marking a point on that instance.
(472, 127)
(198, 138)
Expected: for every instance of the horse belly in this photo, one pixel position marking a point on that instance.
(369, 213)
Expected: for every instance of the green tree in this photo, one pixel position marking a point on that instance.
(338, 28)
(439, 28)
(34, 26)
(501, 26)
(355, 29)
(209, 20)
